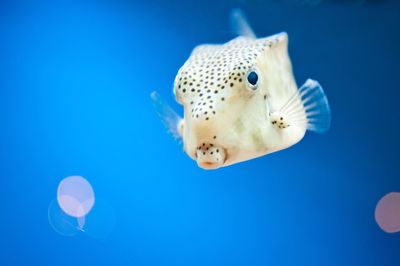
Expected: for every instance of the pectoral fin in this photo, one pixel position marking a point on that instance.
(171, 120)
(307, 108)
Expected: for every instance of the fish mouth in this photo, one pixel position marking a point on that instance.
(209, 165)
(210, 156)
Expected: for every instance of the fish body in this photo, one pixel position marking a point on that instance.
(241, 101)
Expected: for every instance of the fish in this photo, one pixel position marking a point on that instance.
(240, 100)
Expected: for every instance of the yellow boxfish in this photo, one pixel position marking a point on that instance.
(241, 100)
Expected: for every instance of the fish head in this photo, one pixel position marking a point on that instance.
(223, 90)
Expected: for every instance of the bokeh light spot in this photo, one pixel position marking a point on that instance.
(75, 196)
(74, 210)
(62, 223)
(387, 212)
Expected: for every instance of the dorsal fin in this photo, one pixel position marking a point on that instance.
(240, 25)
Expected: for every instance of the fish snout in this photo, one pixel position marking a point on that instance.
(209, 156)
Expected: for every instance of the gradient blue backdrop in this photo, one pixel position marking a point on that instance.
(75, 79)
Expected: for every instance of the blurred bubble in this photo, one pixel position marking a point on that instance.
(74, 210)
(63, 223)
(100, 222)
(75, 196)
(387, 212)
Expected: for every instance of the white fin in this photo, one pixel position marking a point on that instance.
(240, 25)
(171, 120)
(309, 107)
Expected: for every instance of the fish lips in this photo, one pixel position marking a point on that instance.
(211, 157)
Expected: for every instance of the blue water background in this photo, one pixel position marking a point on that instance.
(75, 79)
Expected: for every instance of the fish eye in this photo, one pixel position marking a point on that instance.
(252, 79)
